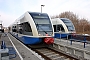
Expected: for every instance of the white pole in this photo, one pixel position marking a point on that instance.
(60, 33)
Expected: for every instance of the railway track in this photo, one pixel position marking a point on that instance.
(50, 54)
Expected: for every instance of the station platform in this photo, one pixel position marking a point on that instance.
(22, 52)
(8, 44)
(76, 49)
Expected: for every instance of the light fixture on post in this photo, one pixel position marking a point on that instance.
(0, 23)
(41, 7)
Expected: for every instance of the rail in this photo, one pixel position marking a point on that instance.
(52, 54)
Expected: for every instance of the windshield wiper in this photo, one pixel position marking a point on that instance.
(37, 25)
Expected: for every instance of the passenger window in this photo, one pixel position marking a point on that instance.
(26, 28)
(60, 28)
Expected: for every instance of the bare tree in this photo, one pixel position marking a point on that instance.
(70, 15)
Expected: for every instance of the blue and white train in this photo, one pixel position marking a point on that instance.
(33, 28)
(62, 27)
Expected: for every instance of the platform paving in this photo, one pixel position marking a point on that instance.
(23, 52)
(74, 44)
(76, 49)
(8, 44)
(27, 54)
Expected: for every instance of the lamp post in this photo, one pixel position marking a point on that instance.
(17, 26)
(41, 7)
(0, 23)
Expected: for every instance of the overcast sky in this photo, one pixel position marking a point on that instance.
(10, 10)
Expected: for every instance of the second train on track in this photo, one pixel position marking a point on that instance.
(63, 27)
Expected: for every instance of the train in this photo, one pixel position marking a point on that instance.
(63, 27)
(33, 28)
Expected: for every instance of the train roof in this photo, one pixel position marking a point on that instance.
(36, 12)
(56, 21)
(29, 12)
(59, 20)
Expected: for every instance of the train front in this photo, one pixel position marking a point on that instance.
(69, 25)
(44, 27)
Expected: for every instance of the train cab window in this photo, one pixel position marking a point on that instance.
(42, 23)
(69, 24)
(60, 28)
(26, 28)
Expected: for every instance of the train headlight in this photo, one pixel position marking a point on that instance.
(51, 34)
(40, 35)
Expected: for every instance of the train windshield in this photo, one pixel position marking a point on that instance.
(69, 24)
(42, 22)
